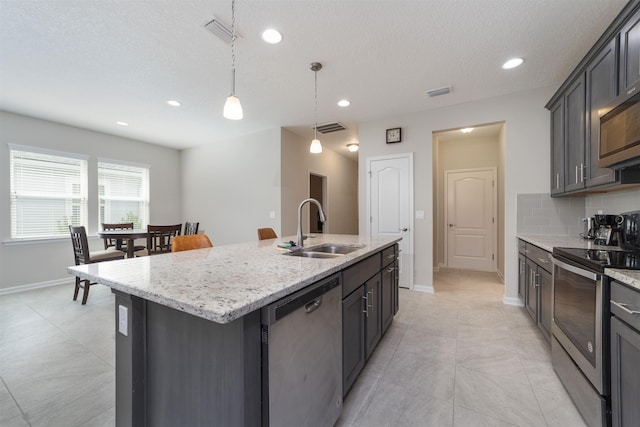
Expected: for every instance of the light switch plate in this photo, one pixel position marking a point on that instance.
(272, 214)
(419, 214)
(123, 320)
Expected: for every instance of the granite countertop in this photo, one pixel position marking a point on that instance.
(224, 283)
(629, 277)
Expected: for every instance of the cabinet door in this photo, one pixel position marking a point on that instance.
(557, 147)
(388, 295)
(625, 375)
(522, 276)
(373, 313)
(574, 118)
(353, 330)
(543, 280)
(531, 291)
(630, 53)
(601, 89)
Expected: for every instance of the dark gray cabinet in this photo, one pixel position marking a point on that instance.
(625, 356)
(630, 53)
(370, 300)
(609, 68)
(535, 282)
(601, 89)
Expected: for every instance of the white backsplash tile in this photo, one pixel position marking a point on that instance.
(541, 214)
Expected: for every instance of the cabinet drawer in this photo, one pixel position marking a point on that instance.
(539, 256)
(359, 273)
(388, 255)
(522, 247)
(629, 299)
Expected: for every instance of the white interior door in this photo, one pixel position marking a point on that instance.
(470, 219)
(391, 205)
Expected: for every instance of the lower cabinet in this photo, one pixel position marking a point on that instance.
(369, 301)
(535, 285)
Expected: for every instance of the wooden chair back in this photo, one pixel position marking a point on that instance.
(80, 245)
(191, 228)
(189, 242)
(159, 237)
(109, 243)
(266, 233)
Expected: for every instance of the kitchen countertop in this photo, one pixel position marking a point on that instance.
(629, 277)
(224, 283)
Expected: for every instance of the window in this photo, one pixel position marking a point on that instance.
(48, 192)
(123, 193)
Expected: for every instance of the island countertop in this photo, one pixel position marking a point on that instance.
(224, 283)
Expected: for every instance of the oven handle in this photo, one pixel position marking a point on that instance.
(573, 269)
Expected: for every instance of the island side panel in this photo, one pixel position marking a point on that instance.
(196, 372)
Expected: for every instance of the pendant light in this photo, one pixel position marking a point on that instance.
(232, 108)
(316, 147)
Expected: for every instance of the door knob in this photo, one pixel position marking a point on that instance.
(404, 229)
(451, 225)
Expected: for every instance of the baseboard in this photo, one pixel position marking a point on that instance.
(500, 275)
(32, 286)
(512, 301)
(422, 288)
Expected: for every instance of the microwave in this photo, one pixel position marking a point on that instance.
(620, 132)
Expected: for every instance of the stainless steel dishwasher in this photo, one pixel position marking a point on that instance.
(302, 357)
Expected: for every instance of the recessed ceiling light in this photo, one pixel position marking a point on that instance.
(272, 36)
(344, 103)
(122, 123)
(174, 103)
(353, 147)
(512, 63)
(466, 130)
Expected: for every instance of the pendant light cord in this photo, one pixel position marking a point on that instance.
(233, 47)
(315, 129)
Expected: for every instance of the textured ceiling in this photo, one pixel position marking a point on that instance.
(92, 63)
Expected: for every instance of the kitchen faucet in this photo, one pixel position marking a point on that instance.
(322, 218)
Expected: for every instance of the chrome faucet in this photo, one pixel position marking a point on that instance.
(323, 218)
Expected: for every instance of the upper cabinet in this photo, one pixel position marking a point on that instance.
(630, 53)
(611, 66)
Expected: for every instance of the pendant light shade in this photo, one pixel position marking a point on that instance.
(232, 108)
(316, 146)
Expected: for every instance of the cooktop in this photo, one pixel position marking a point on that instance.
(599, 259)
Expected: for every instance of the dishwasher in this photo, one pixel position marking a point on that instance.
(302, 357)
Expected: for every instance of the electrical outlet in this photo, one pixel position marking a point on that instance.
(123, 324)
(419, 214)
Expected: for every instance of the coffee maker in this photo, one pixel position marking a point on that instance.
(606, 229)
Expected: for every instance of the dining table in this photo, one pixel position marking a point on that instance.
(128, 234)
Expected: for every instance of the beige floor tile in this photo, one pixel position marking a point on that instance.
(463, 417)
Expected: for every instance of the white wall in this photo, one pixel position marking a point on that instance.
(341, 205)
(231, 186)
(526, 164)
(45, 261)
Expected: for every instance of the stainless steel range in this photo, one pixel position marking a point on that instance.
(580, 328)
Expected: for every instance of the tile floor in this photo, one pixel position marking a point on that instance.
(458, 357)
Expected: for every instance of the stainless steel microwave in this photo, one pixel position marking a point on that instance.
(620, 132)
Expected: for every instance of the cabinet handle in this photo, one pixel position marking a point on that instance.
(366, 305)
(536, 279)
(582, 168)
(576, 174)
(370, 306)
(390, 256)
(557, 180)
(623, 307)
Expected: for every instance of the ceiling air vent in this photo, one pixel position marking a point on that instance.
(220, 30)
(330, 127)
(439, 91)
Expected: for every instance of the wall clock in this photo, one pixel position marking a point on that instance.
(394, 135)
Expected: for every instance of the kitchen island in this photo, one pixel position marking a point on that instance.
(188, 326)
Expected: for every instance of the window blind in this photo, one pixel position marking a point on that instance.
(48, 192)
(123, 194)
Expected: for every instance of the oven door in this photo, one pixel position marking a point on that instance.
(577, 319)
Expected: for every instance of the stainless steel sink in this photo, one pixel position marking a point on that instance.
(327, 250)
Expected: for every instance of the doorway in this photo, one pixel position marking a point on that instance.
(317, 185)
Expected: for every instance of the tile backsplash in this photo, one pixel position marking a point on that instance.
(540, 214)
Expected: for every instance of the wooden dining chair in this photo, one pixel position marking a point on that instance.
(189, 242)
(191, 228)
(266, 233)
(82, 255)
(159, 237)
(112, 243)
